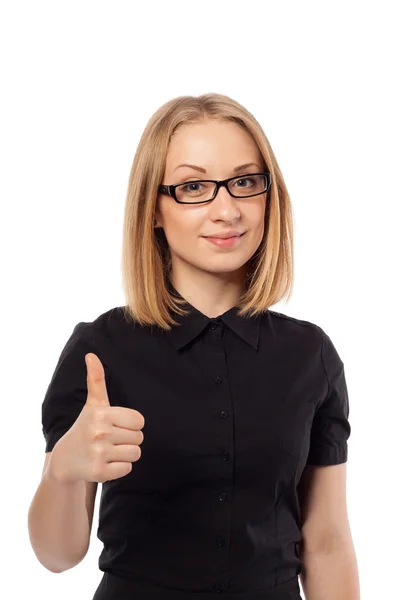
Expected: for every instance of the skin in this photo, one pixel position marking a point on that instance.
(209, 277)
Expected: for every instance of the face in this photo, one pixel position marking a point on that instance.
(217, 148)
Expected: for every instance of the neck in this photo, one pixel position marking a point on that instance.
(210, 293)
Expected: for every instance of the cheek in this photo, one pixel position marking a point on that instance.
(181, 235)
(187, 225)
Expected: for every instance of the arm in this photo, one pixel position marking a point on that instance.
(60, 520)
(327, 551)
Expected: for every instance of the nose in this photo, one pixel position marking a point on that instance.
(224, 205)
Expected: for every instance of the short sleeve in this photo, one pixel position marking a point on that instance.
(67, 390)
(330, 427)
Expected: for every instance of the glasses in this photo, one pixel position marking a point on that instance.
(205, 190)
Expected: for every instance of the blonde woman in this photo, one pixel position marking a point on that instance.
(217, 427)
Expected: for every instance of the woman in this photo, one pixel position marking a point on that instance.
(242, 408)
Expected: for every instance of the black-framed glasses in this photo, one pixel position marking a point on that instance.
(204, 190)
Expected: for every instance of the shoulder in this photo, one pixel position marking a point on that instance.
(292, 326)
(115, 324)
(293, 320)
(102, 323)
(306, 335)
(110, 317)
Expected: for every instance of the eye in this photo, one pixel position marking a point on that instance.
(191, 187)
(188, 187)
(252, 181)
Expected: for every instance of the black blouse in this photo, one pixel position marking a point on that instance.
(234, 409)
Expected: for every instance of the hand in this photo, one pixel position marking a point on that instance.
(104, 440)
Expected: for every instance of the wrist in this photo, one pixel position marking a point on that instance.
(54, 473)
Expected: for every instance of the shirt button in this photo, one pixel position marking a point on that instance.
(220, 541)
(218, 380)
(223, 497)
(224, 414)
(214, 325)
(217, 587)
(225, 456)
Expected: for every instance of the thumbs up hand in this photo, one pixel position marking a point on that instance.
(104, 440)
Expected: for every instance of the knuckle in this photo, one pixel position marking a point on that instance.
(98, 434)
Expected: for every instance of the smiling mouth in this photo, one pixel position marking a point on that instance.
(230, 242)
(212, 237)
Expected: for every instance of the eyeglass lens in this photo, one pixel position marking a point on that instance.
(198, 191)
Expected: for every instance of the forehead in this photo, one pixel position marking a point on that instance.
(210, 143)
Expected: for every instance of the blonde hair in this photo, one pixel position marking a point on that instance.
(146, 261)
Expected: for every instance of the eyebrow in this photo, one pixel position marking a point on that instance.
(236, 169)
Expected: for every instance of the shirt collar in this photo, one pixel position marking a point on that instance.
(191, 325)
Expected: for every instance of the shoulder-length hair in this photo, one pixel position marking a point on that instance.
(146, 261)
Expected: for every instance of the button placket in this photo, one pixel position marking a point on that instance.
(218, 364)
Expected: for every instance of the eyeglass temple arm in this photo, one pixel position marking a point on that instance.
(165, 189)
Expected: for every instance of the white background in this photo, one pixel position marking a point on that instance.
(79, 82)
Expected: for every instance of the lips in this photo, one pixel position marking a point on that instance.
(229, 242)
(216, 237)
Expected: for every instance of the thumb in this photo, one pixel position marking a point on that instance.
(97, 389)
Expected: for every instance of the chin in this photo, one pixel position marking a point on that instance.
(223, 266)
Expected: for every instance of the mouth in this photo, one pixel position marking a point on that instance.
(229, 242)
(221, 238)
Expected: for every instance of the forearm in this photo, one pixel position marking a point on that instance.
(330, 575)
(58, 523)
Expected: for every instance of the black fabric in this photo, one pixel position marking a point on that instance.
(113, 587)
(234, 409)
